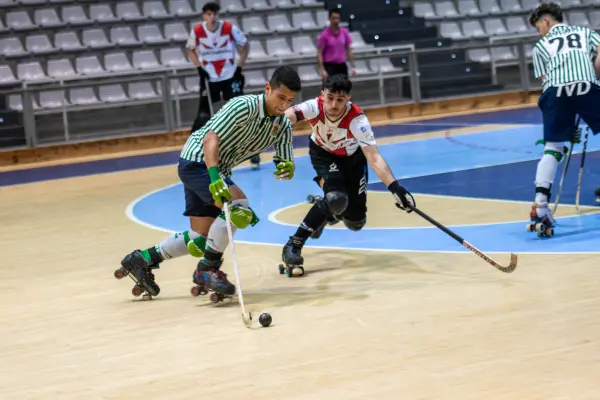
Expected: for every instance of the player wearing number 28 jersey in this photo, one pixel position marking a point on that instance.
(562, 60)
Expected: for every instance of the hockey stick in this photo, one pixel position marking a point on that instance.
(564, 174)
(209, 97)
(585, 139)
(513, 257)
(247, 320)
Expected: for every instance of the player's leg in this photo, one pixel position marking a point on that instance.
(587, 105)
(559, 127)
(357, 179)
(208, 271)
(329, 171)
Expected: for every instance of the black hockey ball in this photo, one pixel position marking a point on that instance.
(265, 319)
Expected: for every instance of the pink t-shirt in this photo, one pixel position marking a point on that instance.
(334, 45)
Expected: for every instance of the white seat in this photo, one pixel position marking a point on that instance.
(479, 55)
(304, 20)
(450, 30)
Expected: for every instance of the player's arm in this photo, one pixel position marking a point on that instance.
(361, 130)
(191, 49)
(595, 44)
(540, 59)
(303, 111)
(320, 47)
(284, 152)
(241, 42)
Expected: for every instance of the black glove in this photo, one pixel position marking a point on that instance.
(404, 200)
(203, 74)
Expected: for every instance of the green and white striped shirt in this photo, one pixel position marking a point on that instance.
(564, 55)
(245, 130)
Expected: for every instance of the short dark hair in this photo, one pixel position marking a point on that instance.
(286, 76)
(212, 6)
(334, 11)
(338, 84)
(551, 9)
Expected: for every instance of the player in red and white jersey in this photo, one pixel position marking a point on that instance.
(212, 48)
(341, 148)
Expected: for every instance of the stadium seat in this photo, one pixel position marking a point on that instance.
(61, 69)
(67, 41)
(112, 93)
(117, 62)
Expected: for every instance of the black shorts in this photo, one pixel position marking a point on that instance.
(336, 69)
(348, 174)
(224, 90)
(560, 106)
(196, 180)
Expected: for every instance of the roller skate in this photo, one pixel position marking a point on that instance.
(292, 258)
(139, 270)
(255, 163)
(597, 194)
(209, 278)
(541, 220)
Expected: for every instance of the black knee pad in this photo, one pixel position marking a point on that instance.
(355, 225)
(337, 202)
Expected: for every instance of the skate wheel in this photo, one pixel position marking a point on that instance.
(120, 273)
(549, 232)
(198, 291)
(136, 291)
(146, 297)
(529, 228)
(215, 298)
(301, 271)
(288, 272)
(281, 269)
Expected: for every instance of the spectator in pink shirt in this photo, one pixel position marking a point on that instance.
(333, 47)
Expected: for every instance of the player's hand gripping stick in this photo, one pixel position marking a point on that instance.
(284, 170)
(404, 200)
(218, 188)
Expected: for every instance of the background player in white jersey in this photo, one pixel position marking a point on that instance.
(562, 59)
(245, 126)
(340, 147)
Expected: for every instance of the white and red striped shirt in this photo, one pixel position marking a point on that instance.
(217, 50)
(342, 137)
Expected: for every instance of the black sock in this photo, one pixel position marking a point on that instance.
(313, 221)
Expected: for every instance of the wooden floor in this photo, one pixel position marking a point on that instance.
(361, 325)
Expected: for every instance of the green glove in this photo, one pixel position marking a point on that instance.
(218, 188)
(284, 170)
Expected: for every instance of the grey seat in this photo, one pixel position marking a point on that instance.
(362, 67)
(180, 8)
(503, 53)
(173, 57)
(88, 65)
(256, 50)
(516, 25)
(39, 44)
(473, 29)
(308, 73)
(490, 7)
(232, 6)
(494, 26)
(53, 99)
(255, 78)
(279, 23)
(192, 84)
(254, 24)
(47, 17)
(145, 59)
(445, 9)
(258, 5)
(95, 38)
(117, 62)
(31, 71)
(83, 96)
(12, 46)
(102, 13)
(18, 20)
(322, 18)
(303, 44)
(61, 69)
(595, 18)
(479, 55)
(6, 75)
(122, 36)
(15, 102)
(468, 8)
(450, 30)
(284, 4)
(579, 19)
(67, 41)
(74, 15)
(382, 64)
(304, 20)
(358, 42)
(424, 10)
(150, 34)
(510, 5)
(141, 90)
(129, 11)
(154, 9)
(278, 47)
(176, 31)
(112, 93)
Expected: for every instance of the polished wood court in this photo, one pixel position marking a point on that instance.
(386, 325)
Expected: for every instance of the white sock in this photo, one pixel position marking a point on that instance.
(546, 170)
(176, 245)
(218, 239)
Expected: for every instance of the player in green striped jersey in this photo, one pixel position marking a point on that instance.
(562, 60)
(245, 126)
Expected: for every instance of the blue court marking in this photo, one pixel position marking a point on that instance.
(504, 155)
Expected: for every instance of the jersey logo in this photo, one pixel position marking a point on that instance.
(329, 134)
(275, 129)
(333, 167)
(582, 88)
(236, 87)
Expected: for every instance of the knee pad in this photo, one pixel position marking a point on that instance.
(555, 149)
(337, 202)
(355, 225)
(241, 214)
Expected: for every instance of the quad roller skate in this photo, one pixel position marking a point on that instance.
(292, 259)
(211, 279)
(135, 266)
(541, 221)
